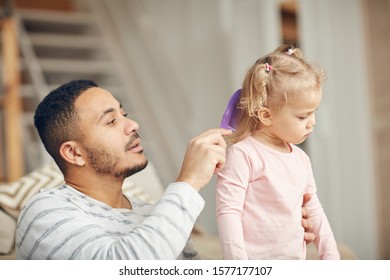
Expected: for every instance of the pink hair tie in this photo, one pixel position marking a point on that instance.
(268, 67)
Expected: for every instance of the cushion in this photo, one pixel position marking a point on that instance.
(13, 196)
(7, 233)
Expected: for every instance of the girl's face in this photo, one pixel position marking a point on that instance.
(295, 121)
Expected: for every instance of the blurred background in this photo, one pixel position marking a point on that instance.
(174, 64)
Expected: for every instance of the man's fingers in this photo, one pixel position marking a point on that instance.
(205, 155)
(214, 136)
(306, 198)
(309, 237)
(307, 224)
(221, 158)
(305, 212)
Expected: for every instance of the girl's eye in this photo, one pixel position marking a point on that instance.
(302, 118)
(111, 122)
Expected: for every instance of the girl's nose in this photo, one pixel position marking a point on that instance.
(312, 121)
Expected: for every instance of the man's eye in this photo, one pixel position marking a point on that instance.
(111, 122)
(302, 118)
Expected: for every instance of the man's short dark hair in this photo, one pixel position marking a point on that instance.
(56, 119)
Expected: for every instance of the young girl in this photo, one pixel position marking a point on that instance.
(260, 190)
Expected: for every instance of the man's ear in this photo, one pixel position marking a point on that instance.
(264, 116)
(70, 151)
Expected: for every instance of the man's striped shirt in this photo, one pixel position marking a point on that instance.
(63, 223)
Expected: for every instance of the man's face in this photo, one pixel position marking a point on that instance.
(110, 141)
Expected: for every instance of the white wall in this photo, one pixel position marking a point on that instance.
(342, 148)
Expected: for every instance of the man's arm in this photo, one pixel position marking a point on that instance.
(62, 224)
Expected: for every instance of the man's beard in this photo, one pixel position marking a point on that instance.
(106, 164)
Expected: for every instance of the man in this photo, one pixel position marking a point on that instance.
(87, 132)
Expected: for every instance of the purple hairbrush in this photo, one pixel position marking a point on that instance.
(231, 115)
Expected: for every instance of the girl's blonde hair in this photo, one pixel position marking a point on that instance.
(273, 79)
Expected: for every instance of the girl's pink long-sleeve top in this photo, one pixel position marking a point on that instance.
(259, 199)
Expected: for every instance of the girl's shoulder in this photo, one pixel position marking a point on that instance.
(299, 151)
(245, 143)
(245, 146)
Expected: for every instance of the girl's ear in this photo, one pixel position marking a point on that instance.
(264, 116)
(70, 151)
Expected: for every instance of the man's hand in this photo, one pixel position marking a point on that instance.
(309, 236)
(205, 155)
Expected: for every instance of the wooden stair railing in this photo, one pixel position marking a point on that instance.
(12, 164)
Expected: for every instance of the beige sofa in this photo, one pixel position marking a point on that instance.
(14, 195)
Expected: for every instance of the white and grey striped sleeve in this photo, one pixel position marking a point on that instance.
(57, 229)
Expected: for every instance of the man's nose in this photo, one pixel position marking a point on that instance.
(131, 126)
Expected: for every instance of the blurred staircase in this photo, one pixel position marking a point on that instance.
(56, 47)
(114, 43)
